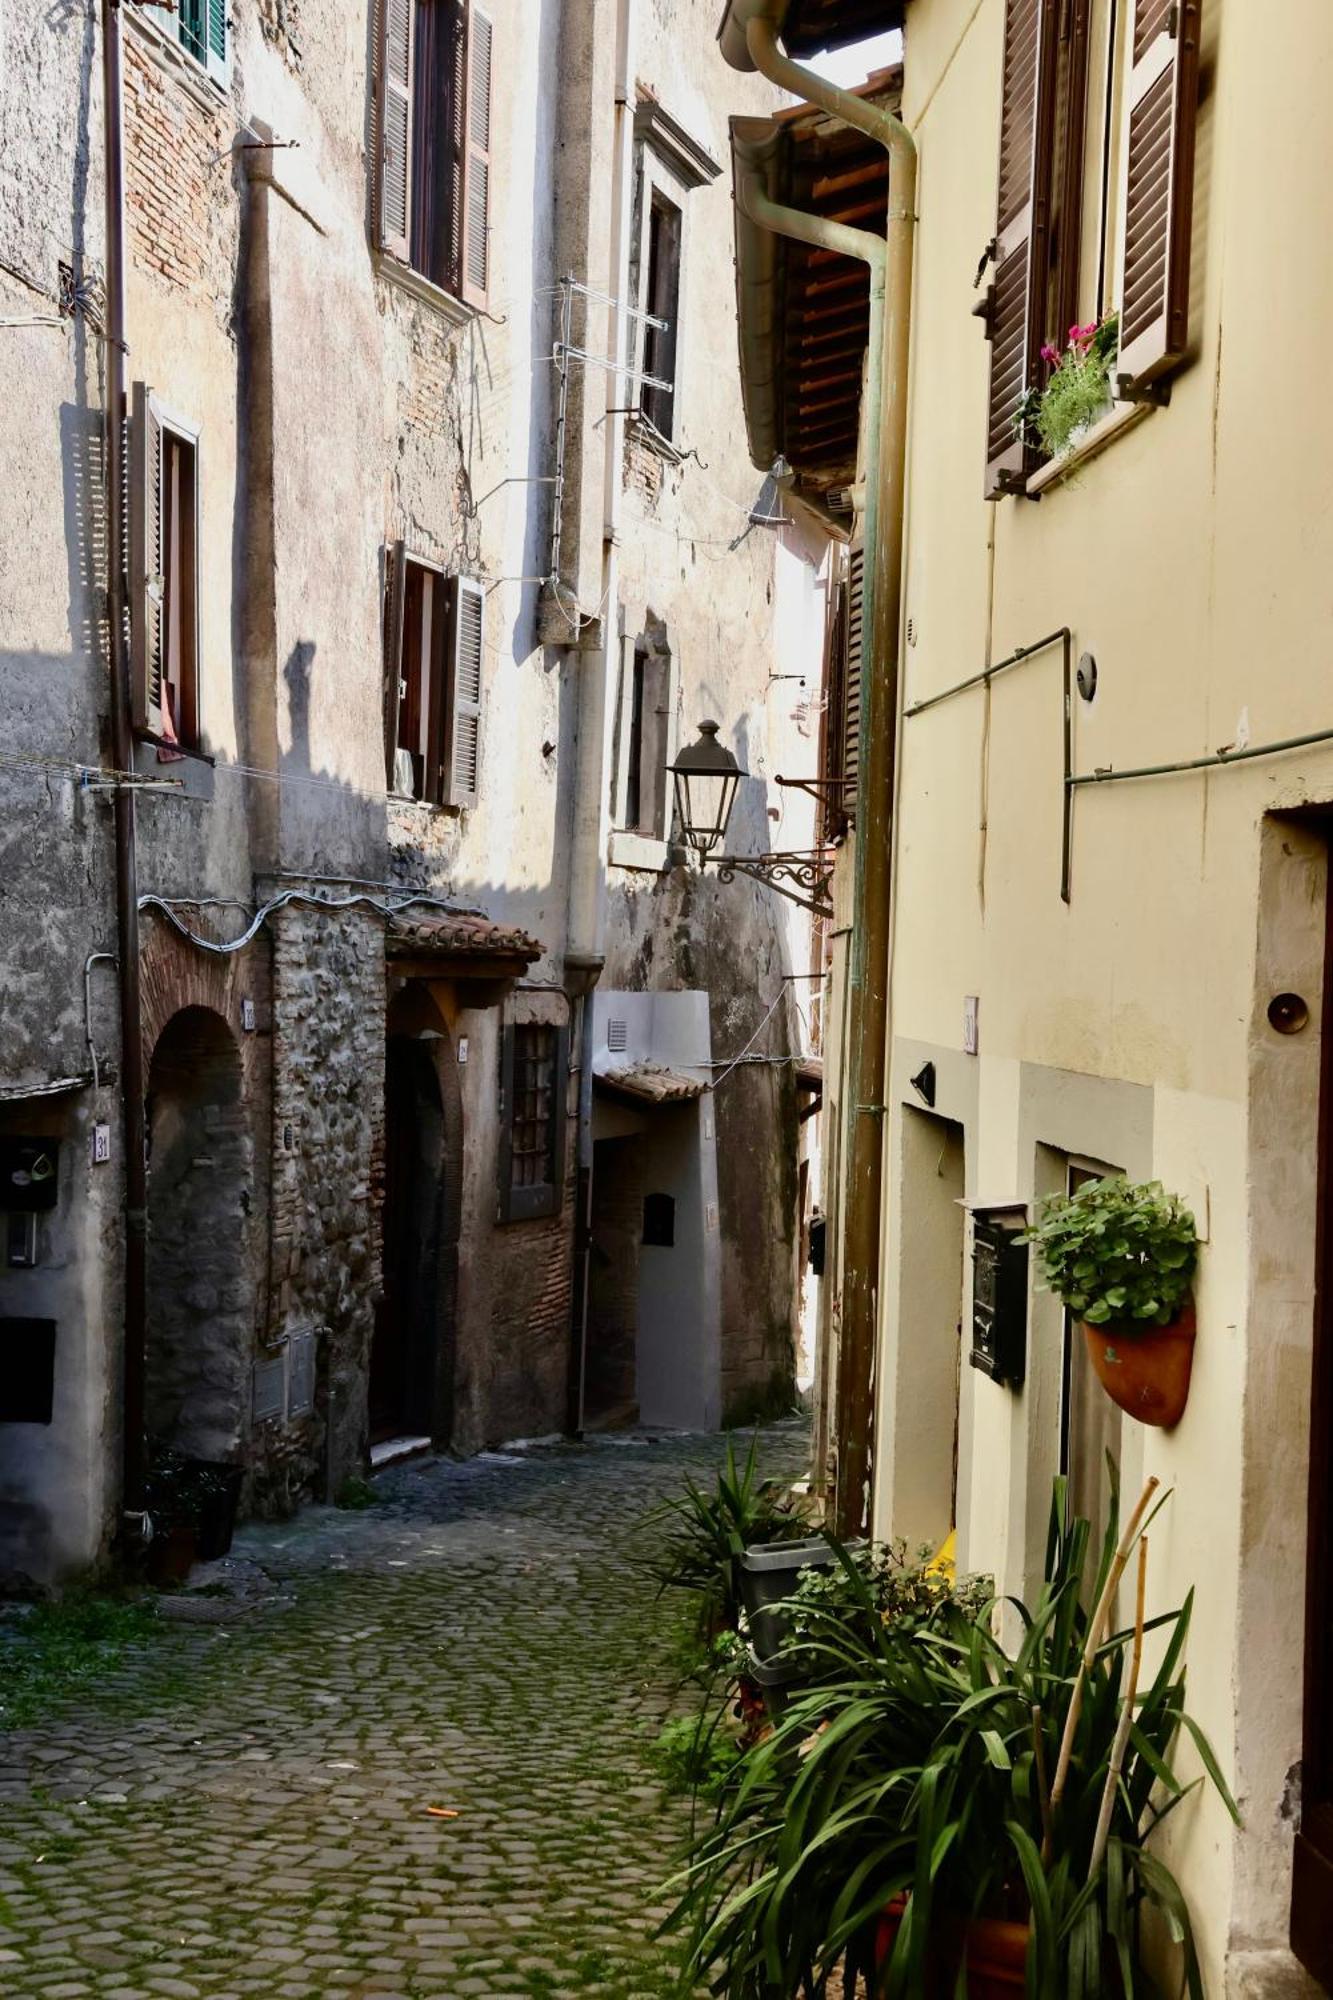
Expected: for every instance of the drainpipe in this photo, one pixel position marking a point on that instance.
(886, 431)
(598, 662)
(127, 881)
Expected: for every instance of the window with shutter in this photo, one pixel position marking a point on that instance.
(146, 580)
(199, 27)
(477, 160)
(851, 679)
(164, 548)
(434, 94)
(1016, 304)
(833, 724)
(397, 19)
(1157, 188)
(1071, 126)
(533, 1067)
(462, 748)
(395, 604)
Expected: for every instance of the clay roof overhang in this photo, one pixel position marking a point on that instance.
(458, 945)
(649, 1083)
(806, 27)
(804, 313)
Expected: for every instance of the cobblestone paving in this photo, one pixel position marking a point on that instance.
(241, 1808)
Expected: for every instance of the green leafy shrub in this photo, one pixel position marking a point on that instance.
(697, 1754)
(710, 1528)
(1077, 389)
(1117, 1250)
(920, 1767)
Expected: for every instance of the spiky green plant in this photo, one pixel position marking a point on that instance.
(920, 1769)
(710, 1528)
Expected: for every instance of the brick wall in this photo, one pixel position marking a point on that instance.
(174, 168)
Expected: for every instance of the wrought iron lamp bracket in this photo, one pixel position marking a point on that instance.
(809, 873)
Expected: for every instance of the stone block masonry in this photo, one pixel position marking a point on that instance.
(327, 1162)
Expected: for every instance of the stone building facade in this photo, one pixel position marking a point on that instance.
(395, 534)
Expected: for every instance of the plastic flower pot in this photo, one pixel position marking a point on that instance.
(1146, 1369)
(217, 1509)
(996, 1948)
(172, 1554)
(769, 1575)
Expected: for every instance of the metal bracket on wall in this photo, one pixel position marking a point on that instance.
(809, 870)
(824, 791)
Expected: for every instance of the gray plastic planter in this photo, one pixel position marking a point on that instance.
(768, 1578)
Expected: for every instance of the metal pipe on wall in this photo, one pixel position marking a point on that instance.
(886, 427)
(127, 887)
(585, 944)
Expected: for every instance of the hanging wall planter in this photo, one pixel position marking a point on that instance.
(1146, 1370)
(1121, 1255)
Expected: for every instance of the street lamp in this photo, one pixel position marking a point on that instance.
(707, 777)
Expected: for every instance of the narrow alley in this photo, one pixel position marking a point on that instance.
(244, 1808)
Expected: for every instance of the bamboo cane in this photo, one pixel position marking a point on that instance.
(1043, 1788)
(1117, 1762)
(1096, 1632)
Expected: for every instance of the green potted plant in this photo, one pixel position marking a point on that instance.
(192, 1505)
(1121, 1255)
(941, 1817)
(1077, 393)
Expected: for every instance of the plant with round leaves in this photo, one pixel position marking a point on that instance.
(1117, 1251)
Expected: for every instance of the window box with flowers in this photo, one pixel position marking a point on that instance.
(1057, 418)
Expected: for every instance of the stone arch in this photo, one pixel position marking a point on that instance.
(200, 1288)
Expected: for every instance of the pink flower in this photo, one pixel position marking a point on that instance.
(1082, 333)
(1050, 352)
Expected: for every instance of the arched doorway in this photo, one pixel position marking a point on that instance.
(412, 1358)
(200, 1294)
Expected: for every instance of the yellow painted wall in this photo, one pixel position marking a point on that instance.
(1194, 558)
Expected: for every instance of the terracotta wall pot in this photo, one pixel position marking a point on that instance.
(1145, 1369)
(996, 1955)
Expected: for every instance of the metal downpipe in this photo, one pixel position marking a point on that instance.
(127, 883)
(886, 430)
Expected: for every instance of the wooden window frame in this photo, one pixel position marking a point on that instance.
(210, 51)
(432, 680)
(151, 597)
(530, 1201)
(434, 155)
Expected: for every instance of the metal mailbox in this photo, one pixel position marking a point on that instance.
(1000, 1294)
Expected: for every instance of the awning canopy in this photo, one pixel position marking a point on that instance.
(649, 1083)
(806, 27)
(803, 313)
(460, 945)
(54, 1086)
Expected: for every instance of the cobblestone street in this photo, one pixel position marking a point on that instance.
(242, 1807)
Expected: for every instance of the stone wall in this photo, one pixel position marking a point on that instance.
(327, 1170)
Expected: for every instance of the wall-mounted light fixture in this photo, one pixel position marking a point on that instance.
(707, 777)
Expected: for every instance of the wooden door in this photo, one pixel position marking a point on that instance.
(1090, 1423)
(407, 1316)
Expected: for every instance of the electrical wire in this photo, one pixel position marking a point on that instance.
(223, 948)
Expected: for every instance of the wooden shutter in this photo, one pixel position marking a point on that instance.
(1015, 305)
(394, 192)
(854, 630)
(216, 57)
(1158, 188)
(1072, 134)
(833, 725)
(146, 558)
(395, 599)
(462, 741)
(476, 259)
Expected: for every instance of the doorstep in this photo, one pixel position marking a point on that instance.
(394, 1449)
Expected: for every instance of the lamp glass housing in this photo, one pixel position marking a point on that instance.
(706, 779)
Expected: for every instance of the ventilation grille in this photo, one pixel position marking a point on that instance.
(617, 1037)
